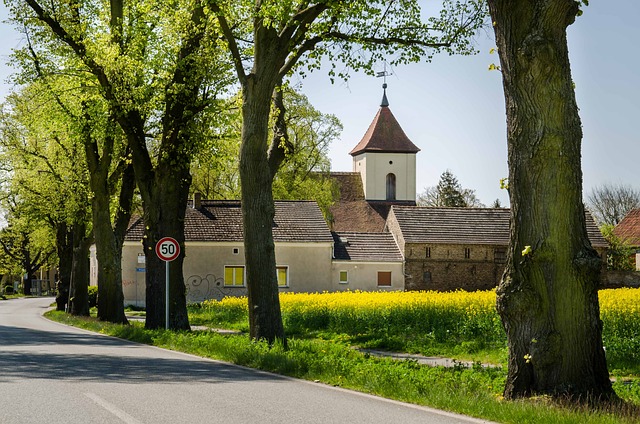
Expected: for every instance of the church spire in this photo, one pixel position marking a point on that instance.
(385, 102)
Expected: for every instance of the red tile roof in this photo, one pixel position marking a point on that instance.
(628, 230)
(385, 136)
(352, 212)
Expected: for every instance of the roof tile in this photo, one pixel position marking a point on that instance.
(628, 230)
(466, 226)
(369, 247)
(221, 220)
(385, 135)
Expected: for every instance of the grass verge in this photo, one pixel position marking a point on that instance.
(471, 391)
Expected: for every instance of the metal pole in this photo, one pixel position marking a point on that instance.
(166, 322)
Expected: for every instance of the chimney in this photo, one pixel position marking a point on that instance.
(197, 200)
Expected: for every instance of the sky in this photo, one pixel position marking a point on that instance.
(453, 107)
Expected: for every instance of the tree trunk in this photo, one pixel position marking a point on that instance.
(164, 217)
(108, 237)
(548, 297)
(78, 290)
(258, 210)
(64, 246)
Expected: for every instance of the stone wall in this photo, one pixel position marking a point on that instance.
(467, 267)
(452, 267)
(616, 279)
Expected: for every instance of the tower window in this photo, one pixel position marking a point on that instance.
(391, 187)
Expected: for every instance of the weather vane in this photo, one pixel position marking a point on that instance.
(384, 74)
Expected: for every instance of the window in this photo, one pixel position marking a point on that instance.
(236, 250)
(427, 252)
(384, 278)
(234, 276)
(344, 277)
(391, 187)
(467, 253)
(283, 276)
(426, 277)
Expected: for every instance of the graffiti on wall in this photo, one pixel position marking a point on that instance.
(201, 288)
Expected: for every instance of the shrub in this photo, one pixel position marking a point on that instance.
(93, 296)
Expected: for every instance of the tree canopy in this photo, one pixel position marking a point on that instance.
(449, 193)
(609, 203)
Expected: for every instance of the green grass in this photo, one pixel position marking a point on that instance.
(332, 360)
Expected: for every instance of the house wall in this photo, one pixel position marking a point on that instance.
(449, 269)
(364, 275)
(445, 266)
(393, 226)
(374, 167)
(309, 269)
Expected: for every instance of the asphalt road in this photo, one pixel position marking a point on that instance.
(51, 373)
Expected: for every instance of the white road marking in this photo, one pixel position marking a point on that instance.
(128, 419)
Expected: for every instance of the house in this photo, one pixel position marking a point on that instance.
(628, 231)
(214, 264)
(458, 248)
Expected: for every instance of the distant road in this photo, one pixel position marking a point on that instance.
(54, 374)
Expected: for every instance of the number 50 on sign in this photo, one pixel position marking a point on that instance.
(167, 249)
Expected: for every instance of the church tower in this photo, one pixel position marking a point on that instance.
(386, 158)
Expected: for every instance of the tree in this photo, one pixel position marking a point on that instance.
(157, 66)
(450, 194)
(620, 256)
(49, 186)
(267, 41)
(67, 103)
(450, 191)
(609, 203)
(548, 296)
(304, 173)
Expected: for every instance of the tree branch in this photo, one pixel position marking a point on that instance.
(280, 143)
(231, 41)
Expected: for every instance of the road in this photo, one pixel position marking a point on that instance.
(51, 373)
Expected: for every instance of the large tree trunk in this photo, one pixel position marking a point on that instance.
(258, 210)
(108, 237)
(164, 217)
(548, 298)
(164, 190)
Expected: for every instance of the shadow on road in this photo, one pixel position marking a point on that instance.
(31, 354)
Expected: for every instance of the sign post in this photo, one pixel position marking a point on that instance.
(167, 250)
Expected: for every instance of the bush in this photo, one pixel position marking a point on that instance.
(8, 290)
(93, 296)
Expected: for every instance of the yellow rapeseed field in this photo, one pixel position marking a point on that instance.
(618, 301)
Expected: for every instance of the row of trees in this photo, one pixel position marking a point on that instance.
(142, 82)
(140, 90)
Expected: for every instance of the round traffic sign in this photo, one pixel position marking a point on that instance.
(167, 249)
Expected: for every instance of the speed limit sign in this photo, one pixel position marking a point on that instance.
(167, 249)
